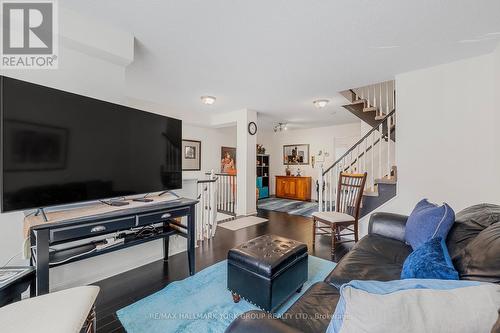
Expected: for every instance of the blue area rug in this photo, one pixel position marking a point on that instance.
(201, 303)
(293, 207)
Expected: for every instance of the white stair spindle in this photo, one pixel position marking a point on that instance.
(380, 128)
(380, 109)
(332, 180)
(393, 91)
(364, 154)
(320, 189)
(368, 98)
(356, 166)
(387, 110)
(372, 170)
(388, 147)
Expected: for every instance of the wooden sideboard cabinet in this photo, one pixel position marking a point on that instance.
(290, 187)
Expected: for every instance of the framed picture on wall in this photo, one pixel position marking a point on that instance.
(228, 160)
(191, 155)
(296, 154)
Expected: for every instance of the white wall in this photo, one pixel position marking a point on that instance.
(448, 135)
(321, 138)
(212, 139)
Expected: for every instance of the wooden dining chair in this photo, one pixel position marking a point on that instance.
(346, 215)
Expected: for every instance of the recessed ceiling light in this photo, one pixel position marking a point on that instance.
(208, 100)
(321, 103)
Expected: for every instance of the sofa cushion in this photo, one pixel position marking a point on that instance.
(427, 221)
(416, 306)
(474, 243)
(430, 261)
(374, 257)
(313, 311)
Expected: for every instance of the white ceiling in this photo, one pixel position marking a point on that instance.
(277, 56)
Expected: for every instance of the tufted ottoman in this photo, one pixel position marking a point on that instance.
(267, 270)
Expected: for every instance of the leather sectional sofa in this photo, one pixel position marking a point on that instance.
(473, 243)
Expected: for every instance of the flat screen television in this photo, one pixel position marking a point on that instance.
(61, 148)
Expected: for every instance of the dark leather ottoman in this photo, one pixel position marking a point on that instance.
(267, 270)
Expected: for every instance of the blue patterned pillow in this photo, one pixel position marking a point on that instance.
(430, 261)
(427, 221)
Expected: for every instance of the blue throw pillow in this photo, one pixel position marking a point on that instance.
(430, 261)
(427, 221)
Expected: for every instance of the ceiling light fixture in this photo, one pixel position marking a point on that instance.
(321, 103)
(208, 100)
(280, 127)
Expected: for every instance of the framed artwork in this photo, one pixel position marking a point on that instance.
(228, 160)
(296, 154)
(191, 155)
(35, 147)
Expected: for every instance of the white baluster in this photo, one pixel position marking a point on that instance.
(320, 188)
(372, 170)
(364, 153)
(387, 97)
(388, 147)
(332, 179)
(380, 110)
(368, 97)
(380, 128)
(393, 93)
(335, 182)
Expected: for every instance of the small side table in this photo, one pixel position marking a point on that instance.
(11, 289)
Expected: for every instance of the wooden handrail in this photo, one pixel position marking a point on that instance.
(207, 180)
(359, 142)
(220, 174)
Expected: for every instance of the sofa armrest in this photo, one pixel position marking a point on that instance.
(261, 322)
(388, 225)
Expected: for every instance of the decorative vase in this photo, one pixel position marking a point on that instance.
(288, 172)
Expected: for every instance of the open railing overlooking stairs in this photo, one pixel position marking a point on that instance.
(374, 153)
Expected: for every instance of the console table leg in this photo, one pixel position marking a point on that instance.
(166, 242)
(42, 262)
(191, 240)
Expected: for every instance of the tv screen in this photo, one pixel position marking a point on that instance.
(60, 148)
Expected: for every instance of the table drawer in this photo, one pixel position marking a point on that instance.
(90, 229)
(161, 216)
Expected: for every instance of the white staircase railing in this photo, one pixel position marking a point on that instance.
(206, 209)
(374, 153)
(379, 95)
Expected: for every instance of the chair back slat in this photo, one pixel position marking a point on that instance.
(349, 193)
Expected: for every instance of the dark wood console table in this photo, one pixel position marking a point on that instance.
(64, 227)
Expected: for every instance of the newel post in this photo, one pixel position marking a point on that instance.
(320, 189)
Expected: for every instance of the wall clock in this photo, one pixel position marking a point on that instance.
(252, 128)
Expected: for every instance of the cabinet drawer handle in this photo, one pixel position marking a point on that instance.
(166, 216)
(98, 228)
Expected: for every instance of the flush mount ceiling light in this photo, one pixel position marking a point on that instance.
(208, 100)
(280, 127)
(321, 103)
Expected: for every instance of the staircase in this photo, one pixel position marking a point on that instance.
(374, 153)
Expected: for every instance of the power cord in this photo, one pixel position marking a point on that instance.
(11, 258)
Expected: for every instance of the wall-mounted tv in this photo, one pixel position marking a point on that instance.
(60, 148)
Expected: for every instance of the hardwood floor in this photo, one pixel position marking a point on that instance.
(131, 286)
